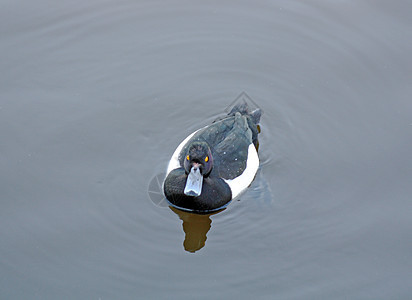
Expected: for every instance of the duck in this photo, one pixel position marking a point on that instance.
(215, 164)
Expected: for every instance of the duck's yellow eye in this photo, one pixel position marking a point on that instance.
(206, 158)
(187, 157)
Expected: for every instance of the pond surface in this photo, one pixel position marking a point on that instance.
(96, 95)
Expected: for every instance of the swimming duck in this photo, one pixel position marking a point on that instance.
(216, 163)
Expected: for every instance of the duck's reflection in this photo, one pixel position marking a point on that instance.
(196, 227)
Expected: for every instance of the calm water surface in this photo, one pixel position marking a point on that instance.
(96, 95)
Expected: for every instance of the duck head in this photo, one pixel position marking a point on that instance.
(198, 164)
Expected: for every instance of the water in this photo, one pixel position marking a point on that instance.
(95, 96)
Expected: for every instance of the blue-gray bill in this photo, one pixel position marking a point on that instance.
(194, 183)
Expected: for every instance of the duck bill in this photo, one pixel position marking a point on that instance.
(194, 183)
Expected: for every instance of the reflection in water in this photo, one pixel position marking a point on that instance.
(195, 226)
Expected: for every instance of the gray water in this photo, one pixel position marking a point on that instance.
(96, 95)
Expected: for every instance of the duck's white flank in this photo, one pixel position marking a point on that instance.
(242, 182)
(174, 161)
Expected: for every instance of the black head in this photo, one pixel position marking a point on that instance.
(199, 156)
